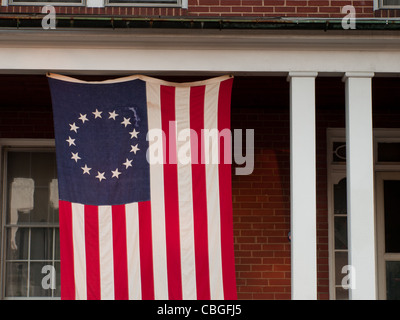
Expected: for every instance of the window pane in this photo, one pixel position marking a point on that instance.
(16, 279)
(340, 262)
(18, 165)
(41, 244)
(43, 168)
(391, 2)
(57, 244)
(17, 243)
(393, 280)
(392, 215)
(339, 152)
(340, 197)
(32, 188)
(340, 233)
(342, 294)
(143, 1)
(388, 152)
(41, 213)
(57, 291)
(39, 282)
(20, 187)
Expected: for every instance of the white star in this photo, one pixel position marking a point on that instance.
(134, 149)
(134, 134)
(83, 118)
(74, 127)
(86, 169)
(115, 173)
(75, 156)
(126, 122)
(127, 163)
(100, 176)
(113, 115)
(97, 114)
(71, 141)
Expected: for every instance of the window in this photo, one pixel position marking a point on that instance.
(30, 229)
(337, 197)
(389, 4)
(143, 3)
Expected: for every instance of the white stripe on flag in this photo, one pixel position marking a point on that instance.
(78, 227)
(186, 224)
(132, 239)
(157, 197)
(106, 253)
(212, 186)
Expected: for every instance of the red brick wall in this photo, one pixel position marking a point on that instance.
(230, 8)
(262, 208)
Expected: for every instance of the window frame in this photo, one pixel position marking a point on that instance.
(19, 145)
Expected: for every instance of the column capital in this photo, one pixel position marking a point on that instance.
(301, 74)
(354, 74)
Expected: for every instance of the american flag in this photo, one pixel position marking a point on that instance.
(144, 213)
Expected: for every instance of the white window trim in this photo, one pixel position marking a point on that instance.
(337, 171)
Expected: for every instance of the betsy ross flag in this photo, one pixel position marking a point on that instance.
(144, 176)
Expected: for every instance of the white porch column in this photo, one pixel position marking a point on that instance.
(360, 185)
(302, 185)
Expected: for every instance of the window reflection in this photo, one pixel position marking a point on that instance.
(393, 280)
(31, 226)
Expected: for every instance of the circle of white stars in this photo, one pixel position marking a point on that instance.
(98, 173)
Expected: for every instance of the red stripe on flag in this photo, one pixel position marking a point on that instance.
(200, 194)
(167, 97)
(92, 252)
(121, 290)
(66, 251)
(225, 186)
(146, 250)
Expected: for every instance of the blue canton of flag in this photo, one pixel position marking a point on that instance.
(101, 142)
